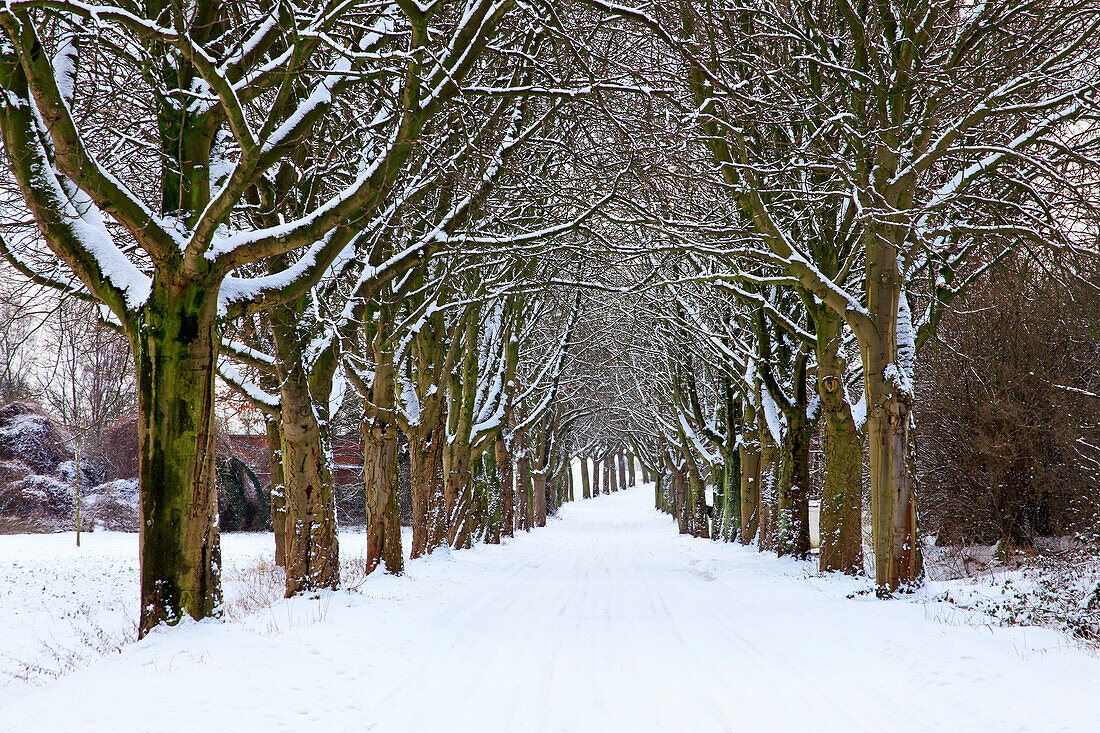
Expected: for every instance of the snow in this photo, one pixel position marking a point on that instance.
(776, 421)
(604, 620)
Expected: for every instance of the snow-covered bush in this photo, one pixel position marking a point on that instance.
(30, 435)
(1055, 590)
(112, 506)
(39, 498)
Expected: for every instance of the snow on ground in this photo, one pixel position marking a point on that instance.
(606, 620)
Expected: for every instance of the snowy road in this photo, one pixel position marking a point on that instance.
(604, 621)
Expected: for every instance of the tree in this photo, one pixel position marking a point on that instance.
(161, 254)
(927, 121)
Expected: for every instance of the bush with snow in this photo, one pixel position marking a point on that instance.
(1059, 590)
(42, 499)
(29, 434)
(112, 506)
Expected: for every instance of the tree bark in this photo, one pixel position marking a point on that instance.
(841, 496)
(278, 488)
(749, 457)
(312, 551)
(792, 505)
(380, 450)
(492, 507)
(769, 465)
(730, 478)
(507, 492)
(383, 514)
(889, 403)
(175, 351)
(680, 501)
(425, 477)
(458, 493)
(700, 522)
(538, 496)
(526, 514)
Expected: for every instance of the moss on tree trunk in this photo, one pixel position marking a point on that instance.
(175, 351)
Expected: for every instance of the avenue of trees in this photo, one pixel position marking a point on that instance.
(550, 244)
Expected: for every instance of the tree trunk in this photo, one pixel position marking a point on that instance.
(438, 523)
(680, 502)
(630, 474)
(700, 522)
(175, 350)
(586, 484)
(721, 505)
(425, 477)
(730, 477)
(507, 492)
(523, 469)
(380, 450)
(493, 500)
(383, 514)
(889, 408)
(538, 496)
(278, 488)
(841, 495)
(749, 458)
(459, 494)
(792, 503)
(612, 474)
(769, 467)
(312, 552)
(620, 458)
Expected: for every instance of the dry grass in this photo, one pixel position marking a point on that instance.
(262, 584)
(353, 572)
(55, 659)
(253, 588)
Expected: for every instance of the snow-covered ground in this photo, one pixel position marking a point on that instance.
(604, 621)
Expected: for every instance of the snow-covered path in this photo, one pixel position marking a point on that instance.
(605, 621)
